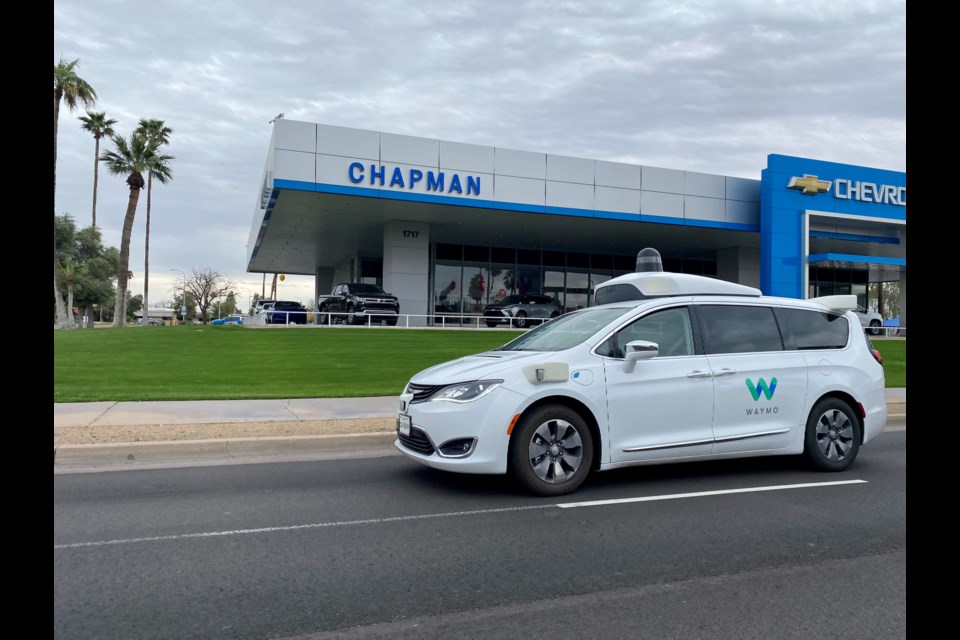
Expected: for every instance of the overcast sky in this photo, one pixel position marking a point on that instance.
(693, 85)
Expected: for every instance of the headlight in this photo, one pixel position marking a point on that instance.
(466, 391)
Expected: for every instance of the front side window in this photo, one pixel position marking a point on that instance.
(671, 329)
(738, 329)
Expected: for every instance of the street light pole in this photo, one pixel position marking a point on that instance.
(183, 303)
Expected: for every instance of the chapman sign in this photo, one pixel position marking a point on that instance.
(851, 190)
(397, 179)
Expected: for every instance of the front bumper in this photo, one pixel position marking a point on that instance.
(437, 423)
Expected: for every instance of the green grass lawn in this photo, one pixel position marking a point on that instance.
(233, 363)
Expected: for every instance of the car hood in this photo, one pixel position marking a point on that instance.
(478, 367)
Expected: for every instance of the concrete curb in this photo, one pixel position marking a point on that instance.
(167, 453)
(92, 456)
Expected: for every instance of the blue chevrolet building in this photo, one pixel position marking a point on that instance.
(451, 227)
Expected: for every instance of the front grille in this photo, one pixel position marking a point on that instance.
(422, 392)
(417, 441)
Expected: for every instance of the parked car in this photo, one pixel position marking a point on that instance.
(354, 302)
(673, 368)
(522, 311)
(234, 318)
(260, 305)
(285, 312)
(871, 321)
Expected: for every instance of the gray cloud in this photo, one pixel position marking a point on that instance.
(701, 85)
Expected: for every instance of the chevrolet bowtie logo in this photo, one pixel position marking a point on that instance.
(810, 185)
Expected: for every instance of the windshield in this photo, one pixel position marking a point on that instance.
(566, 331)
(365, 288)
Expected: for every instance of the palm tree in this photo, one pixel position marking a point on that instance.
(99, 125)
(72, 89)
(132, 159)
(157, 134)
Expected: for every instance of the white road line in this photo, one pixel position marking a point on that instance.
(677, 496)
(452, 514)
(318, 525)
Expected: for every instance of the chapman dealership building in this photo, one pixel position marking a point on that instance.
(450, 227)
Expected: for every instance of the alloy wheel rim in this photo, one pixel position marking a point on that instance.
(555, 451)
(834, 435)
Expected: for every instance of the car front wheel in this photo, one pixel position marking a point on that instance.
(520, 321)
(551, 451)
(832, 439)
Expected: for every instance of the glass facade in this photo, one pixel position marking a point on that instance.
(467, 278)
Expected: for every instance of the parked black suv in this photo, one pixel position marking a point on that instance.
(522, 311)
(354, 302)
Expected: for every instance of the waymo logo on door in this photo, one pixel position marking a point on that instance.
(762, 388)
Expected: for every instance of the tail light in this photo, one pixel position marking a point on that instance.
(873, 350)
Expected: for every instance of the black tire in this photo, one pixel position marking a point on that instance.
(392, 322)
(874, 327)
(832, 438)
(492, 324)
(351, 317)
(551, 451)
(323, 317)
(520, 320)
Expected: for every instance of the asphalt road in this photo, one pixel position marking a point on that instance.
(386, 548)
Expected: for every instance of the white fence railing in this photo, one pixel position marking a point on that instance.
(404, 320)
(435, 320)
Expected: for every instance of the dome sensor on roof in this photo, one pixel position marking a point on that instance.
(648, 260)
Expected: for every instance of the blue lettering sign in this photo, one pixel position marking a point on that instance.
(352, 172)
(435, 183)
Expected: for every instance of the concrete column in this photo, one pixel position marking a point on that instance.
(406, 267)
(324, 282)
(740, 265)
(903, 297)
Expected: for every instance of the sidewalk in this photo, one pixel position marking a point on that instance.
(100, 435)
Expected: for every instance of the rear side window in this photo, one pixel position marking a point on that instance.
(738, 329)
(813, 329)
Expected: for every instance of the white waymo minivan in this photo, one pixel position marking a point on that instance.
(665, 368)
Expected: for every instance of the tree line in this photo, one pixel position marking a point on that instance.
(84, 271)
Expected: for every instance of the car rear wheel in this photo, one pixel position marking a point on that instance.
(520, 321)
(832, 439)
(874, 327)
(551, 451)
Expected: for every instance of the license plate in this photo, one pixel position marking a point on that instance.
(403, 424)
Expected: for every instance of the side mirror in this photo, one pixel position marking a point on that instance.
(637, 350)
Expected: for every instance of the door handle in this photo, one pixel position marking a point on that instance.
(724, 372)
(699, 374)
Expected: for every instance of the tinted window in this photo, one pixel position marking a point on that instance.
(812, 329)
(511, 300)
(365, 288)
(617, 293)
(738, 329)
(670, 329)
